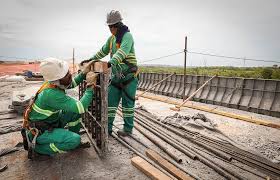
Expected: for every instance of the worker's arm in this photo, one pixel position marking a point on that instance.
(60, 101)
(104, 51)
(77, 80)
(123, 51)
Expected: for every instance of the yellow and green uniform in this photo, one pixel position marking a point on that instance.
(120, 74)
(55, 108)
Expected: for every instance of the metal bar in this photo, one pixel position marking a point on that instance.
(218, 153)
(73, 60)
(167, 139)
(127, 145)
(218, 168)
(91, 140)
(185, 67)
(162, 147)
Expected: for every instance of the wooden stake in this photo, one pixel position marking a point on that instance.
(178, 107)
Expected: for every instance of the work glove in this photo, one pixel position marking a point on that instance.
(87, 66)
(91, 79)
(85, 61)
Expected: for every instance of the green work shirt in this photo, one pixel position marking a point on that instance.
(52, 100)
(126, 51)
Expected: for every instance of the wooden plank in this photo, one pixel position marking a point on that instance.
(167, 165)
(148, 169)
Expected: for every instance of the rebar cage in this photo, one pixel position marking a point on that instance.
(95, 119)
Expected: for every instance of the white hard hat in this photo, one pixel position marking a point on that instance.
(113, 17)
(53, 69)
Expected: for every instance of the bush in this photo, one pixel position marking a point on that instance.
(276, 74)
(266, 73)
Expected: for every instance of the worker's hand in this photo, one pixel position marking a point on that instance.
(86, 67)
(85, 61)
(91, 79)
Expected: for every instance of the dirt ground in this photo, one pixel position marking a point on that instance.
(85, 164)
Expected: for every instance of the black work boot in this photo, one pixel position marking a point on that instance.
(123, 133)
(84, 145)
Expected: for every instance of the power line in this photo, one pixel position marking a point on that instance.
(169, 55)
(232, 57)
(161, 57)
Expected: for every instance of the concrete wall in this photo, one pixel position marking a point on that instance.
(255, 95)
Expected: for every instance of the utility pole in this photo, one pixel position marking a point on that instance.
(73, 60)
(185, 68)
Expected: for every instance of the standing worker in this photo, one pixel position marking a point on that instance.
(52, 110)
(124, 71)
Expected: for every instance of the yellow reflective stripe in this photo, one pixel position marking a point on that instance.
(55, 149)
(99, 57)
(127, 108)
(117, 57)
(122, 52)
(51, 146)
(128, 116)
(74, 82)
(111, 114)
(102, 53)
(43, 111)
(80, 107)
(74, 123)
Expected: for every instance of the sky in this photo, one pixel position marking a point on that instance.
(37, 29)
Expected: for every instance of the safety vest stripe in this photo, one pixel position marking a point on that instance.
(55, 149)
(74, 123)
(118, 58)
(43, 111)
(131, 56)
(112, 107)
(102, 53)
(111, 114)
(127, 108)
(74, 82)
(99, 57)
(122, 53)
(80, 107)
(128, 116)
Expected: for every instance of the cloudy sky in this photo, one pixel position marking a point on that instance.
(51, 28)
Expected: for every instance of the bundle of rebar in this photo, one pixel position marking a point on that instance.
(225, 151)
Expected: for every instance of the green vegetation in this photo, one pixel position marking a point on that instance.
(246, 72)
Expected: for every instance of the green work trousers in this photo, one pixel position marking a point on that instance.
(114, 96)
(60, 140)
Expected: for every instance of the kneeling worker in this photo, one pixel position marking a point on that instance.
(52, 110)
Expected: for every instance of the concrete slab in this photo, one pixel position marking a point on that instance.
(22, 97)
